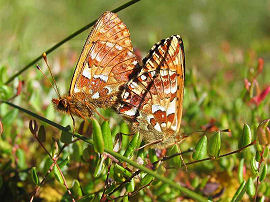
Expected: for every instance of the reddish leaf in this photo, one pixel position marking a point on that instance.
(259, 98)
(19, 87)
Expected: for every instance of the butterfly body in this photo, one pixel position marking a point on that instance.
(76, 105)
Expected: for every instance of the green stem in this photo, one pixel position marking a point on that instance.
(173, 184)
(48, 51)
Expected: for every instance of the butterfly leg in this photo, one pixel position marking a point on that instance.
(80, 114)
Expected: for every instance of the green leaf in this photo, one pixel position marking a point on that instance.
(240, 192)
(266, 152)
(115, 130)
(175, 161)
(146, 179)
(57, 174)
(42, 134)
(132, 145)
(152, 155)
(200, 149)
(241, 171)
(76, 189)
(76, 152)
(47, 162)
(125, 138)
(5, 92)
(250, 187)
(107, 136)
(122, 171)
(263, 173)
(99, 167)
(195, 182)
(258, 156)
(21, 158)
(64, 162)
(214, 145)
(66, 137)
(97, 137)
(34, 175)
(253, 166)
(246, 136)
(3, 74)
(125, 199)
(130, 185)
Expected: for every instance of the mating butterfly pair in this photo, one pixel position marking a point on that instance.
(108, 75)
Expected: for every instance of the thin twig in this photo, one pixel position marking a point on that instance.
(51, 168)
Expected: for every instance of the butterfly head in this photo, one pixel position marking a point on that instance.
(61, 104)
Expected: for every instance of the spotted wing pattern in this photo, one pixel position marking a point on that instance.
(106, 61)
(153, 100)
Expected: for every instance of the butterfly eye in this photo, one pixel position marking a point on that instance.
(63, 105)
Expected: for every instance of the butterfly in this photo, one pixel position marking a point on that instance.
(106, 62)
(152, 101)
(108, 75)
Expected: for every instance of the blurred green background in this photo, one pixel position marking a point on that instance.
(30, 27)
(223, 39)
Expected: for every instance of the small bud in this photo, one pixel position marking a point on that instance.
(263, 132)
(200, 149)
(97, 137)
(214, 144)
(250, 187)
(246, 136)
(33, 126)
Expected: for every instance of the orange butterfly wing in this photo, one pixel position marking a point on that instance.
(106, 61)
(154, 98)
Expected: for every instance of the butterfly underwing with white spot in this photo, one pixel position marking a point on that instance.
(152, 101)
(105, 64)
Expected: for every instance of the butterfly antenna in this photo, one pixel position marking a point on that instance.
(44, 55)
(55, 89)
